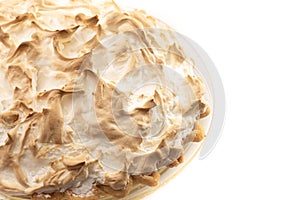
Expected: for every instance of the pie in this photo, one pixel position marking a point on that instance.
(94, 99)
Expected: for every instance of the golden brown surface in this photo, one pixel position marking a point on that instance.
(60, 101)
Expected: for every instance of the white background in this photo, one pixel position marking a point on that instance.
(255, 45)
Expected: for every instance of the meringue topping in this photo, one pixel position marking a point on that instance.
(91, 94)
